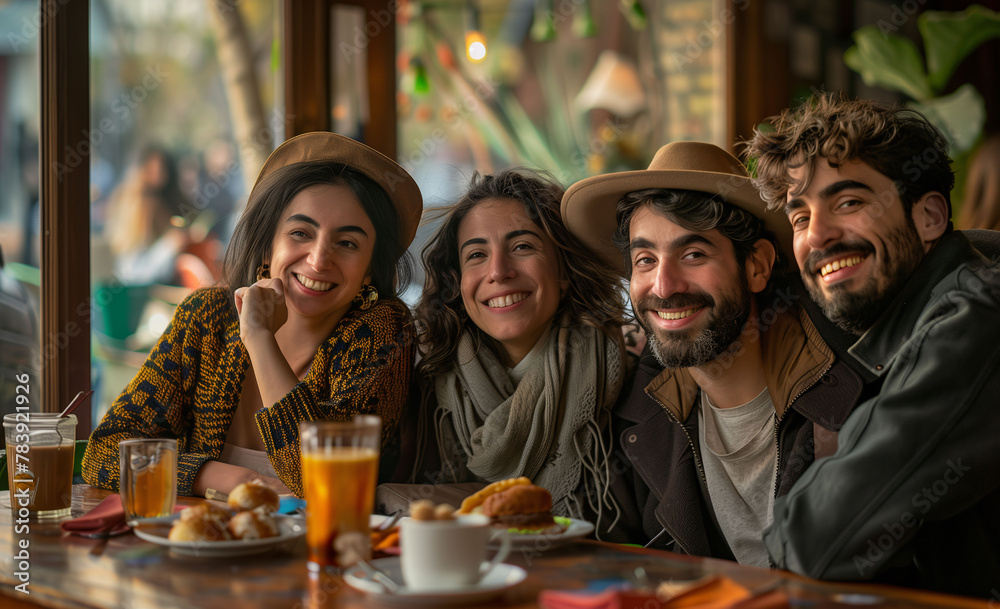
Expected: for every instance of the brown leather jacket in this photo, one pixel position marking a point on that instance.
(660, 484)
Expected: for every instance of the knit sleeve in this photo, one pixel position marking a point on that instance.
(367, 365)
(156, 404)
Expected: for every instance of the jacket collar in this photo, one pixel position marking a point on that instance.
(882, 341)
(795, 357)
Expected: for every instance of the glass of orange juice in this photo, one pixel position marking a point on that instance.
(148, 481)
(339, 472)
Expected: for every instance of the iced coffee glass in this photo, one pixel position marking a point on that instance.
(339, 472)
(40, 449)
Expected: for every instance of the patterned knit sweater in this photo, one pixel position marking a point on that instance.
(190, 385)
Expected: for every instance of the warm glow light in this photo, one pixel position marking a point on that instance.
(475, 46)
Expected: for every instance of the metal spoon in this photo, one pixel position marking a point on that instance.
(391, 521)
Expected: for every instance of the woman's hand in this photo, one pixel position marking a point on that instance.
(224, 477)
(261, 308)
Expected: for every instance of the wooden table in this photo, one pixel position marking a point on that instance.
(133, 574)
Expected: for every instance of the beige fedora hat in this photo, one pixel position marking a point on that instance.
(588, 207)
(325, 146)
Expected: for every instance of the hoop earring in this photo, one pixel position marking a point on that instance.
(263, 271)
(367, 297)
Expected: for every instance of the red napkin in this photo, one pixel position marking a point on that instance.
(109, 515)
(711, 593)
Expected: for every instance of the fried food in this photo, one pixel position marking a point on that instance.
(253, 524)
(198, 529)
(251, 495)
(523, 507)
(422, 509)
(475, 500)
(207, 511)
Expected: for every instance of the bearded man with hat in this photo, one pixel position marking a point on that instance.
(736, 394)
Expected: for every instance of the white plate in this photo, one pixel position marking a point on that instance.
(546, 541)
(502, 576)
(157, 530)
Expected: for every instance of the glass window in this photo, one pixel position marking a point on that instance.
(185, 107)
(574, 87)
(20, 315)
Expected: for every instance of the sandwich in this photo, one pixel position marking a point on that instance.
(525, 508)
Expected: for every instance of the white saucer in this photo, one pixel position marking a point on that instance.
(502, 576)
(540, 542)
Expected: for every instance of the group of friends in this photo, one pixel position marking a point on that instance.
(816, 390)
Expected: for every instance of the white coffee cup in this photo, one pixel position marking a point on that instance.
(448, 554)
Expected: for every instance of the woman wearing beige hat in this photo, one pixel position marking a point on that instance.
(522, 354)
(306, 325)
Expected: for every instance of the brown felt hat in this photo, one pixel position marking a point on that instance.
(588, 207)
(400, 187)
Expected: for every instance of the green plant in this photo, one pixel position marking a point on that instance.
(887, 60)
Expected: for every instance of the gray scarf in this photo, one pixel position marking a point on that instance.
(551, 428)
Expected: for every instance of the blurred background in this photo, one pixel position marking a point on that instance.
(187, 98)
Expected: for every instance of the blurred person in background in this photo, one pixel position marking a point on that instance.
(981, 206)
(144, 229)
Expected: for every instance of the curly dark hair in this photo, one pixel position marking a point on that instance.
(594, 294)
(896, 141)
(699, 211)
(250, 245)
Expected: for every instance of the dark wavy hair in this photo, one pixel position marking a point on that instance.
(898, 142)
(250, 246)
(593, 297)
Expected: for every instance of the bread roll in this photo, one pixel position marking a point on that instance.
(251, 495)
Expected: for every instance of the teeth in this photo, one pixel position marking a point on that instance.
(506, 301)
(840, 264)
(319, 286)
(677, 315)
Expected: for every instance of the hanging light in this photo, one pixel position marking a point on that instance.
(583, 21)
(421, 86)
(544, 27)
(475, 42)
(634, 14)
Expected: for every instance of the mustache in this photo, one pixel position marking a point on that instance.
(814, 259)
(677, 301)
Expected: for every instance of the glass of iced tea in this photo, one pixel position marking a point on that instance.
(148, 481)
(339, 472)
(40, 448)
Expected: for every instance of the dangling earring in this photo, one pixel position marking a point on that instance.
(263, 271)
(366, 297)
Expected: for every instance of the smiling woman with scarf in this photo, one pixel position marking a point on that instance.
(522, 354)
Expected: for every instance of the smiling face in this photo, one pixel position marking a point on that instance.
(854, 243)
(688, 291)
(322, 251)
(510, 275)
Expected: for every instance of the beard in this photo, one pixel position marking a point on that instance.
(857, 310)
(697, 346)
